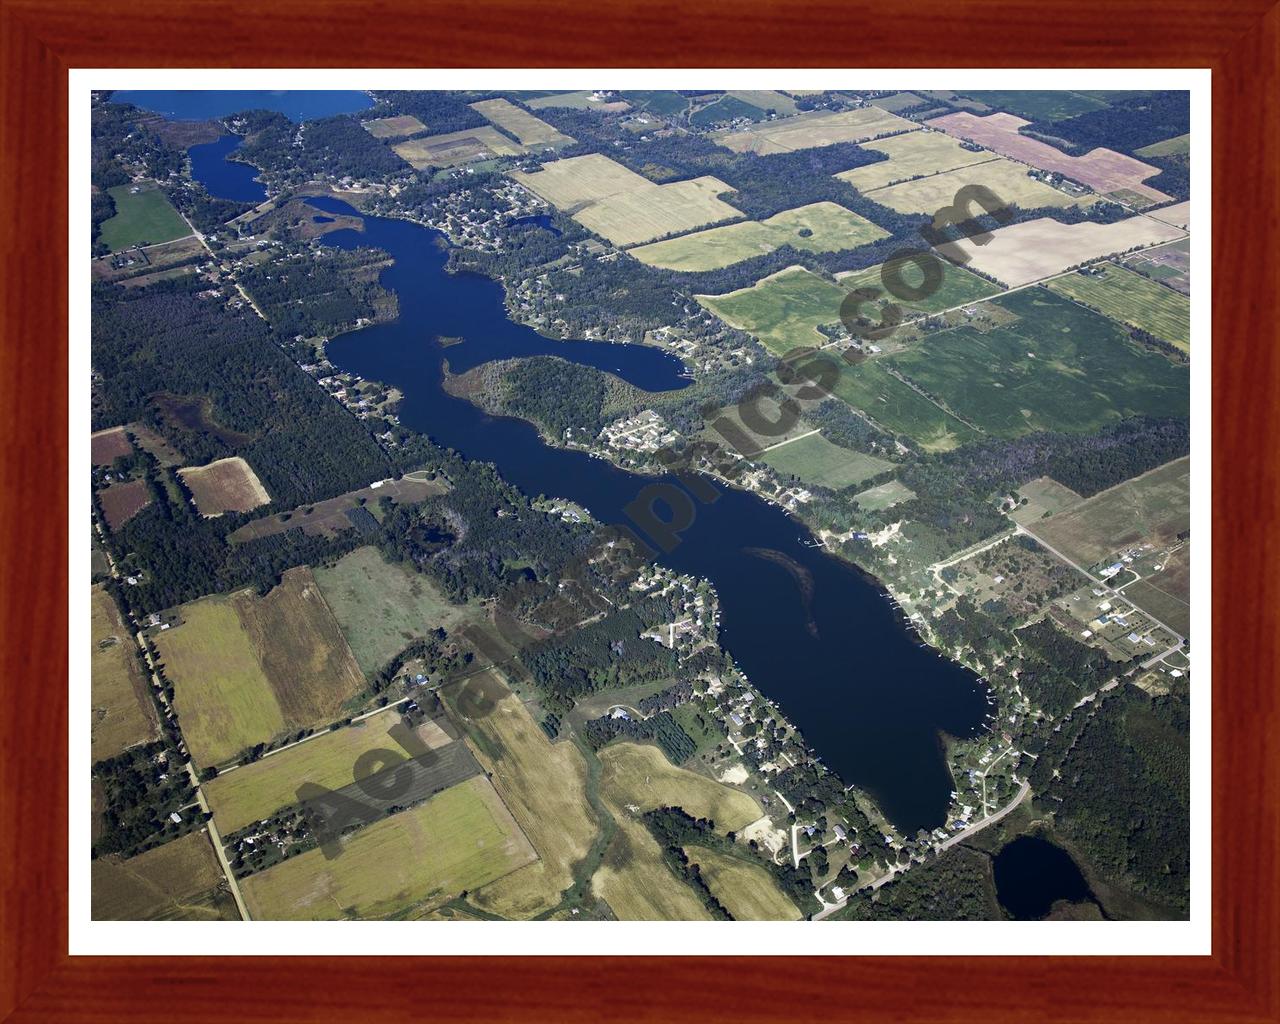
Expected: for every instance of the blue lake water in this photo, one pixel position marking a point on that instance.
(226, 179)
(201, 104)
(839, 662)
(1031, 874)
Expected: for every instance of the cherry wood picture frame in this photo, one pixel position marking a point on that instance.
(41, 39)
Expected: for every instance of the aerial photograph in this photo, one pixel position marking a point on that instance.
(658, 505)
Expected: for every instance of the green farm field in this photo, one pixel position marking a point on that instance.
(142, 217)
(1059, 367)
(831, 228)
(458, 840)
(815, 461)
(1132, 299)
(897, 407)
(222, 695)
(1039, 106)
(252, 792)
(783, 310)
(957, 288)
(381, 606)
(1176, 146)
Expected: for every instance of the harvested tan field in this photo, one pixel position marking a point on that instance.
(1035, 249)
(394, 127)
(1103, 170)
(909, 155)
(1008, 180)
(1178, 215)
(625, 207)
(806, 131)
(123, 714)
(106, 446)
(228, 485)
(179, 881)
(530, 130)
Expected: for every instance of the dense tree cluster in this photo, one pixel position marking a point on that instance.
(661, 729)
(143, 786)
(328, 147)
(319, 293)
(955, 887)
(1119, 783)
(255, 402)
(1125, 124)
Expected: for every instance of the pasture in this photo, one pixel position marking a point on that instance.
(1177, 146)
(624, 207)
(122, 501)
(816, 462)
(382, 606)
(105, 446)
(394, 127)
(531, 131)
(747, 890)
(1155, 506)
(120, 694)
(1103, 170)
(911, 155)
(640, 774)
(453, 148)
(899, 408)
(544, 785)
(783, 310)
(1167, 594)
(1036, 249)
(883, 496)
(1008, 180)
(227, 485)
(1058, 367)
(898, 101)
(766, 100)
(818, 227)
(1132, 299)
(456, 841)
(178, 881)
(1044, 497)
(810, 130)
(255, 791)
(300, 648)
(957, 288)
(246, 669)
(144, 216)
(580, 100)
(221, 694)
(1039, 105)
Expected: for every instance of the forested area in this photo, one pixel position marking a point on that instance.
(142, 787)
(335, 147)
(956, 886)
(1118, 782)
(320, 293)
(441, 112)
(661, 728)
(253, 400)
(1124, 125)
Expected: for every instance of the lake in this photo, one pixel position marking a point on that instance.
(226, 179)
(839, 661)
(202, 104)
(1032, 874)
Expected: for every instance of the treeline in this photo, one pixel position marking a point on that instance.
(661, 728)
(1118, 781)
(165, 339)
(841, 425)
(1055, 670)
(440, 111)
(674, 829)
(1124, 125)
(556, 394)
